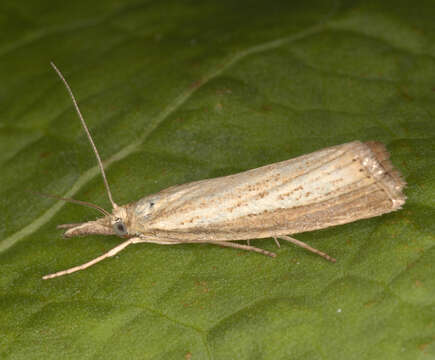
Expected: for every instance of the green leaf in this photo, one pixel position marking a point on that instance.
(176, 91)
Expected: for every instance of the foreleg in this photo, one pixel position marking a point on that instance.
(110, 253)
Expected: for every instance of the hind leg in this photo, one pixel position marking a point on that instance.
(308, 247)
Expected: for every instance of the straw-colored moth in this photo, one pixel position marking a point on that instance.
(332, 186)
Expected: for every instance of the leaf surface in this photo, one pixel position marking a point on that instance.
(177, 91)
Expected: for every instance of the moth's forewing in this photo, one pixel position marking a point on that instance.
(329, 187)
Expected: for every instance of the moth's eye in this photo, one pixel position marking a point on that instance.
(120, 228)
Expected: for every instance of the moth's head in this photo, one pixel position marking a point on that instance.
(116, 223)
(119, 221)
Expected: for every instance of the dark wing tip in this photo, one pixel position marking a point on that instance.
(391, 177)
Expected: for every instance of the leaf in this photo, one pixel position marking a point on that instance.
(181, 91)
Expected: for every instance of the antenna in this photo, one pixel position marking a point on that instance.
(84, 203)
(100, 163)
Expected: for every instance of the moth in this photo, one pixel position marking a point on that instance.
(332, 186)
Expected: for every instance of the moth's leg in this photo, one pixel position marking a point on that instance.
(68, 226)
(243, 247)
(274, 238)
(308, 247)
(110, 253)
(276, 241)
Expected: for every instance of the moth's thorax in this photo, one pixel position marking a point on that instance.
(138, 214)
(143, 214)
